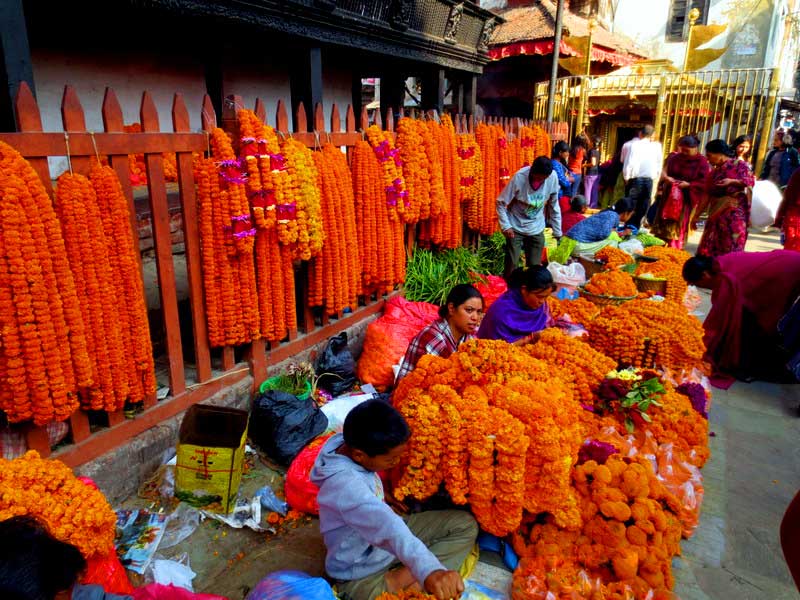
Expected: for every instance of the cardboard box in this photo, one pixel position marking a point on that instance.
(210, 457)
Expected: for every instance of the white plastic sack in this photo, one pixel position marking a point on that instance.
(632, 247)
(766, 200)
(572, 274)
(337, 409)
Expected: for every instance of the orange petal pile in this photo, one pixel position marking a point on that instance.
(72, 511)
(612, 283)
(613, 257)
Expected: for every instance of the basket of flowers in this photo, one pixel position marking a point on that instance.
(609, 288)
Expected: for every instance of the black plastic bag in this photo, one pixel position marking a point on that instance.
(282, 425)
(336, 367)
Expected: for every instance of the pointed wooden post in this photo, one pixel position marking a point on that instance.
(364, 119)
(301, 119)
(29, 119)
(336, 119)
(389, 119)
(260, 110)
(191, 237)
(281, 118)
(159, 213)
(74, 121)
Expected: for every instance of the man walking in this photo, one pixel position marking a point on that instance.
(527, 204)
(641, 166)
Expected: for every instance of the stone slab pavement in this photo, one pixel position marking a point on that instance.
(735, 554)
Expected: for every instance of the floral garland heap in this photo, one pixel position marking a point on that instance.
(416, 169)
(613, 257)
(88, 252)
(645, 333)
(445, 229)
(579, 310)
(44, 353)
(670, 270)
(47, 490)
(612, 283)
(129, 287)
(496, 390)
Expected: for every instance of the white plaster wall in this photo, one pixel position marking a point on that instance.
(337, 86)
(129, 76)
(268, 81)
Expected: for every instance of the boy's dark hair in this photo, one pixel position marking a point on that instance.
(578, 203)
(696, 267)
(624, 205)
(375, 427)
(458, 295)
(33, 564)
(533, 278)
(542, 166)
(719, 147)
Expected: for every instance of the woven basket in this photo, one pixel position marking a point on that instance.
(590, 265)
(649, 284)
(604, 300)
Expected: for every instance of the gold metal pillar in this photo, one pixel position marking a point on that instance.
(694, 14)
(659, 120)
(769, 119)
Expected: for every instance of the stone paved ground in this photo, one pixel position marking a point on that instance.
(735, 553)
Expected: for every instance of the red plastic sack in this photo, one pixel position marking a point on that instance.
(673, 204)
(494, 287)
(388, 338)
(107, 572)
(301, 493)
(157, 591)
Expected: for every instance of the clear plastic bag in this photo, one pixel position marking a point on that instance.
(291, 585)
(270, 502)
(181, 524)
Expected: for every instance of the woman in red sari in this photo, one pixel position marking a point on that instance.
(686, 170)
(728, 190)
(788, 217)
(750, 293)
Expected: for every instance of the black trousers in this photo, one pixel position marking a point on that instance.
(639, 189)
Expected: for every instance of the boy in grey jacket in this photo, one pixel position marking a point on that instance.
(371, 549)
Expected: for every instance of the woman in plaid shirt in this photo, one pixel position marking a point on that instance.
(459, 319)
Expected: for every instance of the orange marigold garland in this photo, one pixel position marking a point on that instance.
(302, 227)
(471, 181)
(671, 271)
(127, 279)
(238, 223)
(446, 229)
(47, 490)
(416, 170)
(63, 303)
(488, 137)
(394, 187)
(88, 250)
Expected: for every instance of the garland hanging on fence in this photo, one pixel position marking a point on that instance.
(229, 278)
(303, 225)
(123, 251)
(416, 169)
(381, 247)
(43, 354)
(88, 250)
(334, 276)
(394, 187)
(471, 182)
(488, 138)
(445, 229)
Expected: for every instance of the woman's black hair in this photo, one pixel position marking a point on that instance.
(580, 141)
(719, 147)
(558, 148)
(457, 296)
(577, 203)
(624, 205)
(689, 141)
(741, 140)
(532, 278)
(33, 564)
(542, 166)
(696, 267)
(375, 428)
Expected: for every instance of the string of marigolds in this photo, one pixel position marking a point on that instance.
(445, 229)
(394, 187)
(471, 181)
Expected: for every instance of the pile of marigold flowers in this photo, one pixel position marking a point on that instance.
(72, 511)
(579, 310)
(612, 283)
(669, 268)
(613, 257)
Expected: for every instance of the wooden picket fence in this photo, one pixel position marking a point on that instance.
(213, 370)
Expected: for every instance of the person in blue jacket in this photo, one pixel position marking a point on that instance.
(566, 179)
(781, 161)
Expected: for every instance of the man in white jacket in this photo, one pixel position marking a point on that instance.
(642, 158)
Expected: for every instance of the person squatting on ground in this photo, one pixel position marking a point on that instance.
(370, 548)
(608, 227)
(527, 205)
(641, 166)
(459, 319)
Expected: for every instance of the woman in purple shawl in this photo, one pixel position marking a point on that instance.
(522, 311)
